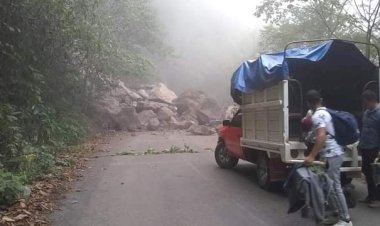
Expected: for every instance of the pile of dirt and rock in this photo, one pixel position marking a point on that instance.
(156, 107)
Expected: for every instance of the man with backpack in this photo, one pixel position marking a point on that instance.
(326, 145)
(369, 144)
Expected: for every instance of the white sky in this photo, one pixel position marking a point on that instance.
(210, 38)
(239, 10)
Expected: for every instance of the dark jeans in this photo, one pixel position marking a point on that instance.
(369, 156)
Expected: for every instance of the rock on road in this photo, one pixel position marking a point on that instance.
(177, 189)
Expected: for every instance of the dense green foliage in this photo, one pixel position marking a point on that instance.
(56, 57)
(318, 19)
(10, 187)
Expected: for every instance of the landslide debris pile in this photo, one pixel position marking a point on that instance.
(156, 107)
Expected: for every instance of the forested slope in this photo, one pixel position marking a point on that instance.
(56, 57)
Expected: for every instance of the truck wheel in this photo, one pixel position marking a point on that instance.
(350, 200)
(263, 172)
(344, 180)
(223, 159)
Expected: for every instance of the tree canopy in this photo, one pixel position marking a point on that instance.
(318, 19)
(56, 56)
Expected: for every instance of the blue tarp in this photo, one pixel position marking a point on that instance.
(269, 69)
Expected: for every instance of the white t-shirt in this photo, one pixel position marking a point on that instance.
(322, 119)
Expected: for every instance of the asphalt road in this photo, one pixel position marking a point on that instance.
(178, 190)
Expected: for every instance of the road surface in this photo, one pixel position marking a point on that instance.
(177, 189)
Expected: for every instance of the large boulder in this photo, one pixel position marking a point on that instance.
(180, 125)
(145, 116)
(212, 109)
(118, 94)
(195, 115)
(143, 93)
(110, 114)
(153, 124)
(161, 93)
(202, 117)
(149, 105)
(184, 105)
(108, 105)
(189, 100)
(201, 130)
(104, 112)
(154, 106)
(189, 115)
(127, 119)
(115, 109)
(230, 111)
(196, 105)
(133, 95)
(164, 114)
(121, 93)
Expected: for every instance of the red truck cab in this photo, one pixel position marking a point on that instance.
(229, 150)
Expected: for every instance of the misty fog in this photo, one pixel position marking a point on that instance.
(210, 39)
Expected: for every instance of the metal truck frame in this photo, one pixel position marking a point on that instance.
(266, 124)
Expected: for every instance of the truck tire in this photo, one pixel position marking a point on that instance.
(344, 180)
(263, 172)
(223, 159)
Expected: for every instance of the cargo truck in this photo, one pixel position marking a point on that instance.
(270, 90)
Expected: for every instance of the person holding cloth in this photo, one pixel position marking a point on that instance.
(369, 143)
(330, 151)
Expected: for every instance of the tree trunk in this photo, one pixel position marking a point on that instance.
(368, 40)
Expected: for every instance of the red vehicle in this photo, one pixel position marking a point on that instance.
(228, 152)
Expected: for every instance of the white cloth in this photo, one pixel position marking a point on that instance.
(322, 119)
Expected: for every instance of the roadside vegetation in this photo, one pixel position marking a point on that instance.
(150, 151)
(56, 58)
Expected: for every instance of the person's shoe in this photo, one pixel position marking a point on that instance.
(343, 223)
(374, 204)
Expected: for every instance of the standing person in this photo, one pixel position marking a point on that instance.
(330, 151)
(369, 143)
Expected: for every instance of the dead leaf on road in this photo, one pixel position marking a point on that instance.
(43, 193)
(27, 212)
(21, 217)
(7, 219)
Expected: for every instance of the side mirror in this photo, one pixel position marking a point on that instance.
(226, 122)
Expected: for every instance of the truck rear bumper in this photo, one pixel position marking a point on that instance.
(352, 172)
